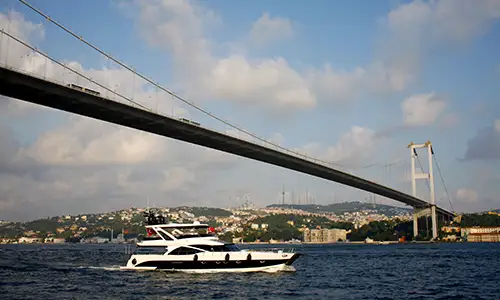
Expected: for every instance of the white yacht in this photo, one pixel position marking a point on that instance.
(196, 248)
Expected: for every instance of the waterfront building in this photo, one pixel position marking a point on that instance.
(28, 240)
(324, 235)
(481, 234)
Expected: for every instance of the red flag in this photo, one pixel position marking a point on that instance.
(211, 229)
(150, 231)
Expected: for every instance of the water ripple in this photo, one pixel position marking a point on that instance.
(412, 271)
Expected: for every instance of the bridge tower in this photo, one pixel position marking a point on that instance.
(417, 212)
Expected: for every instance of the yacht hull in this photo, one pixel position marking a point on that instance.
(267, 269)
(262, 264)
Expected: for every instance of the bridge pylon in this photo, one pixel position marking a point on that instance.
(419, 211)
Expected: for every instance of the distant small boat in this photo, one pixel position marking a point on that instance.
(369, 241)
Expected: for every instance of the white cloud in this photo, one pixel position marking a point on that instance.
(466, 195)
(351, 150)
(417, 27)
(83, 142)
(412, 29)
(422, 109)
(269, 30)
(449, 16)
(102, 167)
(352, 145)
(270, 82)
(337, 86)
(443, 20)
(15, 23)
(179, 27)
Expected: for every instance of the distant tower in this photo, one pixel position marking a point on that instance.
(430, 176)
(283, 195)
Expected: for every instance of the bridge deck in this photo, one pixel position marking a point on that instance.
(39, 91)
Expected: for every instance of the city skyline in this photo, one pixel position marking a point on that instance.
(354, 94)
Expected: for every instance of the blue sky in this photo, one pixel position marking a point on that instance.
(308, 73)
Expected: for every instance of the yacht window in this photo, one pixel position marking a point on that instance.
(163, 235)
(218, 248)
(206, 247)
(151, 250)
(184, 251)
(231, 247)
(151, 238)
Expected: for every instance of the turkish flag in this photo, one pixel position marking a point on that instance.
(211, 229)
(150, 231)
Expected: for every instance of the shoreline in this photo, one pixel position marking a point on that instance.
(262, 243)
(338, 243)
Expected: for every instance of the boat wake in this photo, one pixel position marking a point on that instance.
(107, 268)
(270, 269)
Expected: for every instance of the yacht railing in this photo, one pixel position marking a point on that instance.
(162, 250)
(275, 250)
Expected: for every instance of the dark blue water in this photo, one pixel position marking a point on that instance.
(412, 271)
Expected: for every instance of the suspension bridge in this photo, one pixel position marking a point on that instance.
(98, 100)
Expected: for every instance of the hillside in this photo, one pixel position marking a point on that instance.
(100, 224)
(203, 211)
(348, 207)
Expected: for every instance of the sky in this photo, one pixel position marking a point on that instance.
(350, 82)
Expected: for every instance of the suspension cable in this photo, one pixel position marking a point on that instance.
(442, 180)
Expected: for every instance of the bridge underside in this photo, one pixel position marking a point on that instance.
(35, 90)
